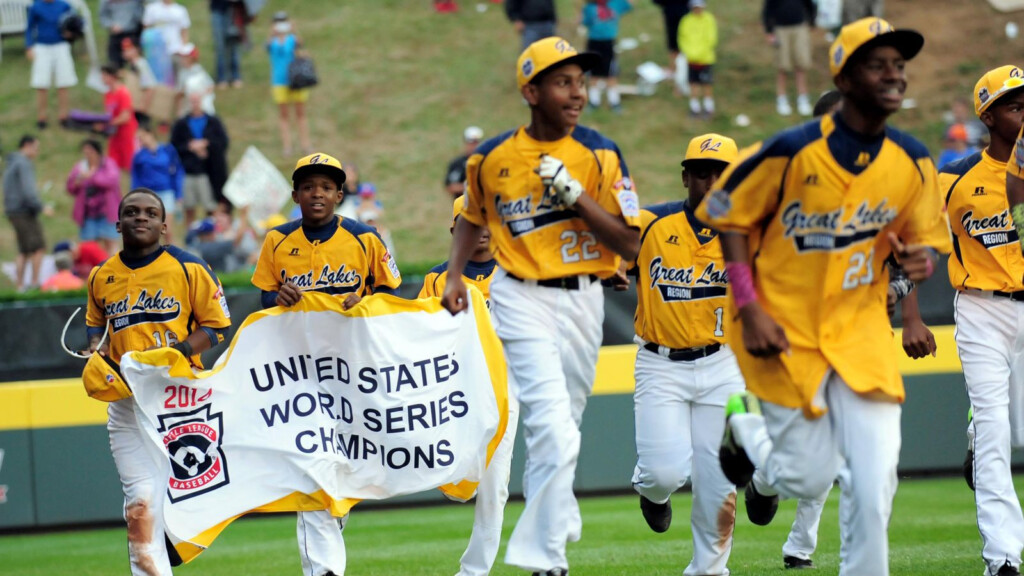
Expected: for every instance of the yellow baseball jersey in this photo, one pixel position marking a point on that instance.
(986, 250)
(1015, 167)
(478, 274)
(155, 301)
(531, 235)
(816, 203)
(681, 299)
(343, 257)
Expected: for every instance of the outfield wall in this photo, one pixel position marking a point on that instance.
(56, 467)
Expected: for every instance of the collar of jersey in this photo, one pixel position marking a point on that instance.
(847, 132)
(992, 162)
(544, 143)
(477, 268)
(136, 263)
(321, 233)
(696, 225)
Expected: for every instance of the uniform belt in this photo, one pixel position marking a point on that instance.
(684, 354)
(565, 283)
(1017, 296)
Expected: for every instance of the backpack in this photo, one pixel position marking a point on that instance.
(302, 72)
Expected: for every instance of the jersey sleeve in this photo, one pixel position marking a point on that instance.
(209, 305)
(263, 277)
(946, 182)
(1015, 167)
(427, 291)
(747, 192)
(622, 199)
(646, 219)
(95, 316)
(382, 265)
(473, 209)
(928, 223)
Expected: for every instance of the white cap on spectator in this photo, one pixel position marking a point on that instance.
(698, 4)
(473, 134)
(187, 49)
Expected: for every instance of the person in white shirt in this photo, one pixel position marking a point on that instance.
(173, 22)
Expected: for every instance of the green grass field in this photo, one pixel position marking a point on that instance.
(933, 532)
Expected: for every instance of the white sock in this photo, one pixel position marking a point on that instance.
(709, 104)
(752, 435)
(614, 99)
(695, 105)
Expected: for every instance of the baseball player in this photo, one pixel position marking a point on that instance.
(684, 373)
(561, 209)
(987, 270)
(807, 220)
(492, 493)
(322, 252)
(151, 296)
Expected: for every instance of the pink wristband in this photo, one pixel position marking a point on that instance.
(741, 279)
(930, 267)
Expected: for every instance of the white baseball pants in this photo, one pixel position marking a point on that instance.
(321, 546)
(551, 338)
(803, 535)
(489, 508)
(990, 339)
(679, 426)
(140, 475)
(858, 439)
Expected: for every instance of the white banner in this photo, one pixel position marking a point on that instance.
(258, 186)
(313, 407)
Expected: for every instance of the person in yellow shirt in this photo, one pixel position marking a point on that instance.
(561, 209)
(479, 268)
(987, 270)
(808, 219)
(698, 39)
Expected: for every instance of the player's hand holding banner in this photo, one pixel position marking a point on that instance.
(314, 407)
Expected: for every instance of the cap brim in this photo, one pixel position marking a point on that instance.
(692, 160)
(907, 42)
(585, 60)
(991, 102)
(337, 174)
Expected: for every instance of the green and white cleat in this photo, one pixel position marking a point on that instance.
(736, 465)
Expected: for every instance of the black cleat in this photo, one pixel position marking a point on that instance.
(760, 509)
(736, 465)
(969, 469)
(658, 516)
(553, 572)
(1008, 570)
(794, 563)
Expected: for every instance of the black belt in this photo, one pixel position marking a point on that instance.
(1016, 296)
(685, 354)
(565, 283)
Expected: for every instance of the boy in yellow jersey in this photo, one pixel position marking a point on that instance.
(987, 270)
(322, 252)
(560, 206)
(684, 373)
(478, 271)
(807, 220)
(150, 296)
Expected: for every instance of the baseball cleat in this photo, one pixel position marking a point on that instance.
(969, 459)
(794, 563)
(736, 465)
(760, 509)
(553, 572)
(1008, 570)
(658, 516)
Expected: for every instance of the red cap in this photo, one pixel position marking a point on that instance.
(127, 43)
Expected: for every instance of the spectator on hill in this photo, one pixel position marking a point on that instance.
(788, 26)
(22, 207)
(95, 183)
(955, 146)
(961, 111)
(455, 177)
(533, 19)
(281, 47)
(202, 144)
(601, 18)
(117, 103)
(350, 193)
(672, 11)
(64, 279)
(123, 21)
(136, 64)
(172, 21)
(50, 53)
(85, 255)
(193, 79)
(698, 38)
(854, 10)
(228, 19)
(445, 6)
(156, 166)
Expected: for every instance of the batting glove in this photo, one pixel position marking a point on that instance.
(553, 173)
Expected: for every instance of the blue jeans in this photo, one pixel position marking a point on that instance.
(227, 50)
(533, 31)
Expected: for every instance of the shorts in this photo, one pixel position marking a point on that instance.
(198, 193)
(609, 66)
(98, 228)
(285, 95)
(673, 15)
(700, 74)
(794, 47)
(28, 232)
(52, 66)
(169, 199)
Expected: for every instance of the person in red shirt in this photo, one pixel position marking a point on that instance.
(118, 104)
(85, 255)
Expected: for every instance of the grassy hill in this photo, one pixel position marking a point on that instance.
(399, 83)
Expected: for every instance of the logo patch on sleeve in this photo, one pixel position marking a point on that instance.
(718, 203)
(629, 203)
(392, 265)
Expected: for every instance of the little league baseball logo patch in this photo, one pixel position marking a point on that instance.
(193, 444)
(528, 67)
(718, 203)
(983, 95)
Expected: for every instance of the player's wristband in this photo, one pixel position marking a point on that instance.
(741, 280)
(1018, 222)
(184, 347)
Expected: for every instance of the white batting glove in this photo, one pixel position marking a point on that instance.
(553, 173)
